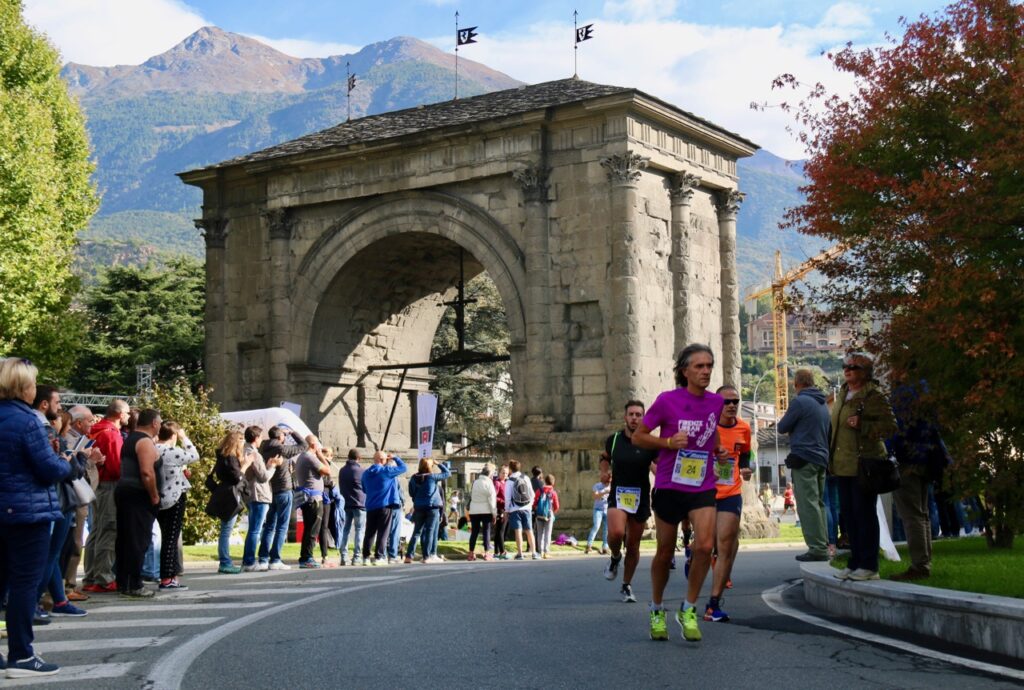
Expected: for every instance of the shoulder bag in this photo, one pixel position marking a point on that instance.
(877, 475)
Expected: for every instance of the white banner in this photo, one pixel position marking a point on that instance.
(426, 412)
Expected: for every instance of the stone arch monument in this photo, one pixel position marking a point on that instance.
(605, 217)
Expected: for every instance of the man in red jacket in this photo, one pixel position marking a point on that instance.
(99, 550)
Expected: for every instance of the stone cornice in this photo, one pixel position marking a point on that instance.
(215, 231)
(534, 181)
(624, 168)
(728, 203)
(280, 223)
(681, 187)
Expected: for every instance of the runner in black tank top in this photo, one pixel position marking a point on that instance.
(629, 502)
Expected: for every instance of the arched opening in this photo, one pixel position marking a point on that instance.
(384, 307)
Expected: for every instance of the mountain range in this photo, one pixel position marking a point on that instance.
(217, 95)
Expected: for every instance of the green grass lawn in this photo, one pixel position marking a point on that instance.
(459, 549)
(966, 565)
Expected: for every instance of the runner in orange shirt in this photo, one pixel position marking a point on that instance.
(734, 436)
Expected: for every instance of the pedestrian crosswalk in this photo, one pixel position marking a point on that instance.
(115, 644)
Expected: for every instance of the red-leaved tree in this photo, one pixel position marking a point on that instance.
(920, 172)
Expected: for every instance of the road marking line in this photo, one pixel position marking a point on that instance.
(773, 598)
(206, 594)
(168, 672)
(71, 673)
(90, 646)
(148, 608)
(129, 623)
(302, 583)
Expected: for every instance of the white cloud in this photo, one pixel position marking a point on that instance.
(714, 72)
(638, 10)
(109, 32)
(298, 47)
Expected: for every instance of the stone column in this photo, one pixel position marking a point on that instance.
(280, 224)
(622, 325)
(539, 403)
(681, 189)
(728, 206)
(215, 233)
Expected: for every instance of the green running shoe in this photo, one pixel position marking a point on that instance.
(688, 622)
(659, 630)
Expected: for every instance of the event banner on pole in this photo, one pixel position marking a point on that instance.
(426, 411)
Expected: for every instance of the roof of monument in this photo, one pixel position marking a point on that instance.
(436, 116)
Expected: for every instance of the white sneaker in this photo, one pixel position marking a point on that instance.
(862, 574)
(843, 574)
(250, 568)
(263, 567)
(433, 559)
(278, 565)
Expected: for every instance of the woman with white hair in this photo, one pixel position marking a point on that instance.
(29, 472)
(483, 509)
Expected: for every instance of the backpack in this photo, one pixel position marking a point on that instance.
(521, 491)
(544, 506)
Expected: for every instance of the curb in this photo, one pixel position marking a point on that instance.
(982, 621)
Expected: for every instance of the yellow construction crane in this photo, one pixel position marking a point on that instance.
(778, 293)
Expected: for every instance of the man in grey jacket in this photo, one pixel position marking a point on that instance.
(807, 422)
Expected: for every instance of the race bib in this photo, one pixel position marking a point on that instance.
(627, 499)
(724, 474)
(691, 467)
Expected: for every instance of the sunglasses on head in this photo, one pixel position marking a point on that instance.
(852, 367)
(732, 401)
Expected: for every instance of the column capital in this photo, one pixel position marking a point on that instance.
(215, 231)
(624, 168)
(729, 201)
(280, 221)
(681, 187)
(534, 181)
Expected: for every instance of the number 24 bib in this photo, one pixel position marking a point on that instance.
(691, 467)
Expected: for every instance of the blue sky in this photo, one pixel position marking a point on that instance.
(712, 59)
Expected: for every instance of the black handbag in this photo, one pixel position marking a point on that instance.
(878, 475)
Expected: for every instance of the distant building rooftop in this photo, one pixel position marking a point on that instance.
(437, 116)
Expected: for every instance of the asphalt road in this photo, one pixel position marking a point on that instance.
(533, 624)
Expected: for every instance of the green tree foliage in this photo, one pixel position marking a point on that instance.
(143, 315)
(919, 173)
(200, 419)
(45, 193)
(475, 402)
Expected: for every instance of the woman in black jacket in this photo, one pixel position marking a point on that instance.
(226, 500)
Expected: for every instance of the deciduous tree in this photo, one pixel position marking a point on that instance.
(45, 193)
(920, 173)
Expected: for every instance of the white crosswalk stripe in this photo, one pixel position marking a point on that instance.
(220, 593)
(86, 624)
(75, 673)
(112, 643)
(153, 608)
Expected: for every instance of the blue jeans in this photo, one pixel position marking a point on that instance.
(831, 498)
(223, 542)
(257, 514)
(396, 532)
(424, 527)
(600, 518)
(23, 550)
(53, 577)
(357, 517)
(275, 528)
(151, 561)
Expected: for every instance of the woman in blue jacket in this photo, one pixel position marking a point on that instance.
(427, 501)
(29, 470)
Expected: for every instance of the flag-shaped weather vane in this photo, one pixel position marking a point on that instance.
(463, 37)
(351, 83)
(582, 33)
